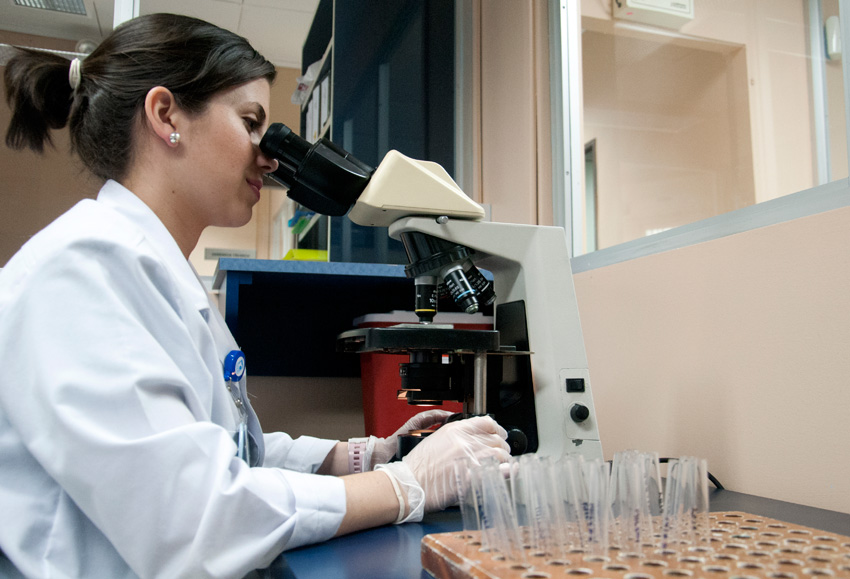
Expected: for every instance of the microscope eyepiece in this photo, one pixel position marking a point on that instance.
(320, 176)
(288, 148)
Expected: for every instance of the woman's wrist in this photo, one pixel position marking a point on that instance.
(357, 454)
(360, 453)
(413, 494)
(402, 500)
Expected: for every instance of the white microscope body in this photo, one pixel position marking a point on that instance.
(530, 266)
(530, 373)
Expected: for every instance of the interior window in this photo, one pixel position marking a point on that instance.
(741, 104)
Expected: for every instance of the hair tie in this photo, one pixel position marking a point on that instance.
(74, 74)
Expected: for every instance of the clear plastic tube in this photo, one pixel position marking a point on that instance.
(519, 494)
(476, 491)
(537, 488)
(534, 501)
(568, 472)
(466, 499)
(596, 507)
(672, 518)
(635, 493)
(686, 519)
(498, 522)
(654, 491)
(626, 508)
(558, 534)
(702, 523)
(691, 483)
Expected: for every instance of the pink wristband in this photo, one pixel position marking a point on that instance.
(356, 454)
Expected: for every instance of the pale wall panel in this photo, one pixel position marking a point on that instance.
(735, 350)
(508, 132)
(36, 189)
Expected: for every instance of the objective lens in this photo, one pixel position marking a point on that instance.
(460, 289)
(482, 286)
(426, 298)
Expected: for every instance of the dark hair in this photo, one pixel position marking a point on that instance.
(190, 57)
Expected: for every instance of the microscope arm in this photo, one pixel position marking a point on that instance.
(531, 264)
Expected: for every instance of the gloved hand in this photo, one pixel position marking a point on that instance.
(386, 448)
(426, 474)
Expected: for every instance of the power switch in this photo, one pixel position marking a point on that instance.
(575, 384)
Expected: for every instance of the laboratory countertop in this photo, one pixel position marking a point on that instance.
(393, 552)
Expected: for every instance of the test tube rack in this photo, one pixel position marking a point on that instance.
(742, 546)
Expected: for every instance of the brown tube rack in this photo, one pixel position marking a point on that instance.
(743, 546)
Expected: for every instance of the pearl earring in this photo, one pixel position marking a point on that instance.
(174, 138)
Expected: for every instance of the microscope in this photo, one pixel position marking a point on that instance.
(530, 372)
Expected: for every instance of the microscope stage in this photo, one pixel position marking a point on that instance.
(409, 337)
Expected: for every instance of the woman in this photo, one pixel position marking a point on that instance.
(119, 433)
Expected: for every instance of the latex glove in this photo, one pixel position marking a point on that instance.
(385, 448)
(426, 474)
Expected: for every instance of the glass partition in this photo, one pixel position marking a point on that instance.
(743, 103)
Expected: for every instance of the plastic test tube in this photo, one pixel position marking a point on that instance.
(558, 520)
(533, 500)
(686, 519)
(635, 498)
(595, 506)
(537, 500)
(567, 470)
(519, 494)
(498, 521)
(468, 495)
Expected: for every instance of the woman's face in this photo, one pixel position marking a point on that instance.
(224, 166)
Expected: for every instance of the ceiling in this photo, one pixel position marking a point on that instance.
(276, 28)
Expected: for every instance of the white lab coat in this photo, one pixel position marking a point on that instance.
(116, 450)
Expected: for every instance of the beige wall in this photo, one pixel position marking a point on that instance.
(324, 407)
(671, 129)
(35, 189)
(513, 150)
(735, 350)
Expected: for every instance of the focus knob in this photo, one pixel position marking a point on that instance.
(518, 441)
(579, 412)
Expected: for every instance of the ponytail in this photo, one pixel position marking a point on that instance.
(40, 96)
(193, 59)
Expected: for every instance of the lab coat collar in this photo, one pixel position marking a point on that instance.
(119, 198)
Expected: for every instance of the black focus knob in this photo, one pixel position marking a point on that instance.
(518, 441)
(579, 412)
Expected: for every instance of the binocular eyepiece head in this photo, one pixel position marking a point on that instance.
(320, 176)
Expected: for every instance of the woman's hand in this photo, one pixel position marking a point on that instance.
(386, 448)
(426, 475)
(432, 460)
